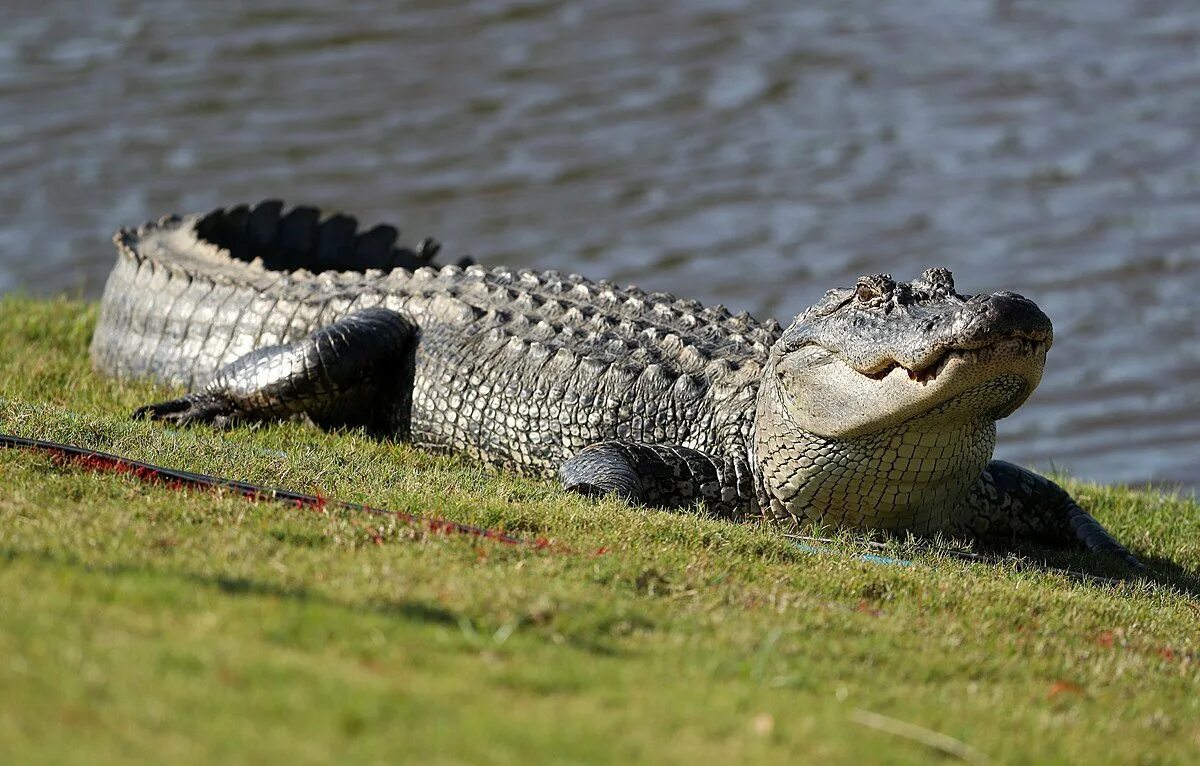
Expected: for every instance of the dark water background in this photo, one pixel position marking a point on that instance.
(750, 153)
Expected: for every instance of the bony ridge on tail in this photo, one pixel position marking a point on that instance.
(875, 409)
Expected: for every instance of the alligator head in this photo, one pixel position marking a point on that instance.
(878, 405)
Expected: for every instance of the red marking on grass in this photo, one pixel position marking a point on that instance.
(1106, 639)
(1061, 687)
(183, 480)
(864, 607)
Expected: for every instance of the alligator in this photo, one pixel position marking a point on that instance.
(875, 409)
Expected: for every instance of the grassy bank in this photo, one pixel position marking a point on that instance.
(140, 623)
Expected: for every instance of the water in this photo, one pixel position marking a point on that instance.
(750, 153)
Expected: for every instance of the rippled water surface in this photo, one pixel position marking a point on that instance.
(752, 153)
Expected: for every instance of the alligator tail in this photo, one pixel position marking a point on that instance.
(189, 294)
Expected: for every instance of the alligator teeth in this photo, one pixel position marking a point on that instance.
(929, 372)
(926, 374)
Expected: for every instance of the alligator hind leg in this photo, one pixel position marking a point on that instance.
(658, 475)
(1010, 502)
(356, 371)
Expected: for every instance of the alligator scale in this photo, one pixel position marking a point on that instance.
(875, 409)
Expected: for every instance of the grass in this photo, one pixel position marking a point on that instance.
(138, 623)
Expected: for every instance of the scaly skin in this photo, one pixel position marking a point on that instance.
(876, 409)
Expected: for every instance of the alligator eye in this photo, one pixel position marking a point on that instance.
(865, 291)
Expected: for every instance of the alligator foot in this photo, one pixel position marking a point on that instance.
(200, 407)
(356, 371)
(1011, 502)
(655, 474)
(1095, 537)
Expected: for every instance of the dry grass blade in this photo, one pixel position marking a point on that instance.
(943, 743)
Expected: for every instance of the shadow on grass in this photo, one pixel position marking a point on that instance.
(417, 611)
(412, 610)
(1163, 571)
(1096, 569)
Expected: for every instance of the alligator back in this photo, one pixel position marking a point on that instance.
(190, 294)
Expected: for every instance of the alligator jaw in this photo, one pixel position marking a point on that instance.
(935, 365)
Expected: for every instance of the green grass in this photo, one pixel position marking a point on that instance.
(138, 623)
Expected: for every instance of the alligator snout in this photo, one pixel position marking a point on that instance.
(1002, 315)
(881, 324)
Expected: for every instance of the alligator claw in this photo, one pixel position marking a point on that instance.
(213, 409)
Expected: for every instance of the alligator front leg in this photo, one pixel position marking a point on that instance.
(356, 371)
(1009, 502)
(658, 475)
